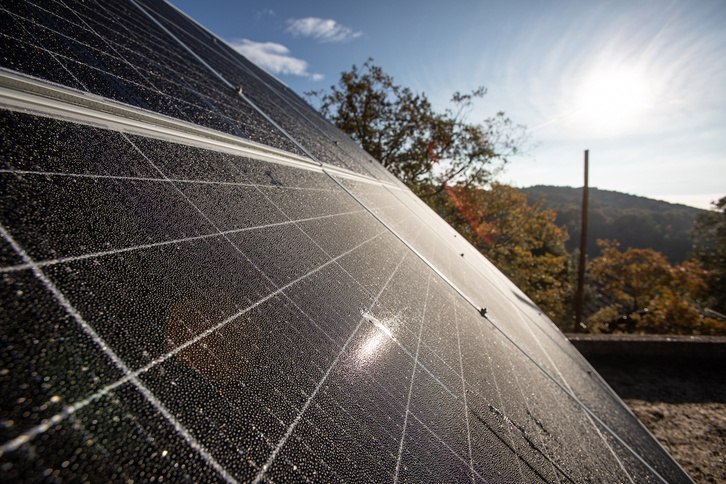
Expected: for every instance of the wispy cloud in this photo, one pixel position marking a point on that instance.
(675, 67)
(274, 57)
(264, 13)
(322, 30)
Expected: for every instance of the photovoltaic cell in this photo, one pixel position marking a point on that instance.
(210, 284)
(303, 123)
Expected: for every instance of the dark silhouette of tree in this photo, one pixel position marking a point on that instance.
(709, 237)
(401, 129)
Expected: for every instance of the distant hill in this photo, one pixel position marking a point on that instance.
(634, 221)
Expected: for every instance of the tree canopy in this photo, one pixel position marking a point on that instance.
(402, 130)
(709, 238)
(644, 293)
(522, 240)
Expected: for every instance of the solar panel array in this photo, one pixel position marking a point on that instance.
(204, 280)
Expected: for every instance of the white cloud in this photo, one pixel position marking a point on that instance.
(323, 30)
(259, 14)
(273, 57)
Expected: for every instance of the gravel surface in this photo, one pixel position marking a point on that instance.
(682, 404)
(693, 433)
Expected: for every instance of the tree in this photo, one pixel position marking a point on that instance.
(401, 129)
(522, 240)
(446, 160)
(645, 294)
(709, 242)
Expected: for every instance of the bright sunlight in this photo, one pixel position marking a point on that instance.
(612, 98)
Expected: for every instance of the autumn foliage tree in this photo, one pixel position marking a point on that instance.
(522, 240)
(401, 129)
(643, 293)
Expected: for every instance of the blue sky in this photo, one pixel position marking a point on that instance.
(641, 84)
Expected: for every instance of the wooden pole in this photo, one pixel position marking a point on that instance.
(579, 298)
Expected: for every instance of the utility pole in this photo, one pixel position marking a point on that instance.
(583, 254)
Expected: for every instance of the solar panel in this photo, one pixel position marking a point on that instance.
(203, 280)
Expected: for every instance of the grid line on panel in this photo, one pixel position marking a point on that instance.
(585, 408)
(441, 441)
(109, 76)
(52, 54)
(108, 43)
(336, 424)
(225, 81)
(157, 180)
(544, 450)
(67, 39)
(120, 364)
(510, 339)
(586, 412)
(410, 385)
(105, 40)
(293, 425)
(404, 241)
(441, 360)
(255, 266)
(94, 255)
(130, 375)
(499, 289)
(509, 424)
(463, 386)
(228, 55)
(81, 175)
(488, 318)
(424, 368)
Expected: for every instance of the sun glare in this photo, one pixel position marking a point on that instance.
(613, 98)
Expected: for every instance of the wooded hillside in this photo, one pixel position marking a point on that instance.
(637, 222)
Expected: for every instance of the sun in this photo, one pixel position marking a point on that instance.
(613, 98)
